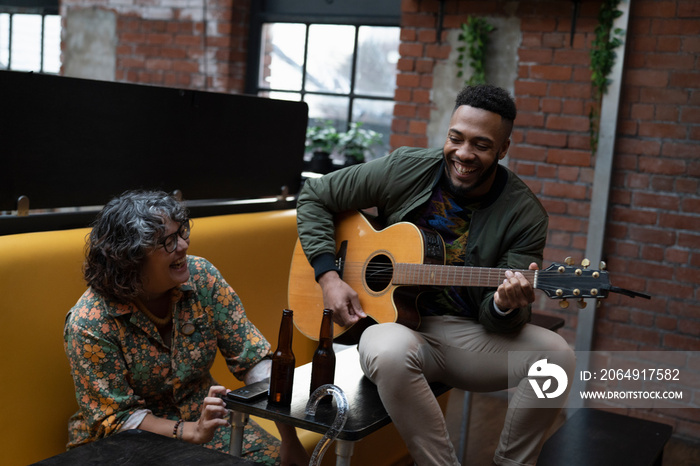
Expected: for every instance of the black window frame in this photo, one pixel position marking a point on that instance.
(354, 13)
(28, 7)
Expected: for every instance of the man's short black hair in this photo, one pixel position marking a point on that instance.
(488, 97)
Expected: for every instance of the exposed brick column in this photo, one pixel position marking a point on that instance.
(419, 50)
(227, 44)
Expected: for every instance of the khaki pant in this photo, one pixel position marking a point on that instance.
(459, 352)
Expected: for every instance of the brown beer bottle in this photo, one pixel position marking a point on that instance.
(283, 361)
(323, 362)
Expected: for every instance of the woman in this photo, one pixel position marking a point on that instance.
(142, 338)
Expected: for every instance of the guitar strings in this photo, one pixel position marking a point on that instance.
(387, 272)
(452, 269)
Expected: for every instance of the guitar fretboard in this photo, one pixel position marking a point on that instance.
(451, 275)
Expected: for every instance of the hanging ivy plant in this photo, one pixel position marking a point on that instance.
(475, 36)
(603, 56)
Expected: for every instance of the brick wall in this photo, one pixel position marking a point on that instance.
(195, 45)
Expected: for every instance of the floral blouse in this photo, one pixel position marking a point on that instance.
(120, 364)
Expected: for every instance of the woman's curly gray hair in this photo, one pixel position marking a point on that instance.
(124, 233)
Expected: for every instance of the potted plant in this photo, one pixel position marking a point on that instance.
(357, 142)
(321, 140)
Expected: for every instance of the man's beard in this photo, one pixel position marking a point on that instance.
(464, 191)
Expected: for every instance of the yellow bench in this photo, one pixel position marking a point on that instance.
(41, 278)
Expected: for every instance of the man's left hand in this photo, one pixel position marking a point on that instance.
(515, 291)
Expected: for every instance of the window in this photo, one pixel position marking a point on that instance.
(30, 36)
(341, 63)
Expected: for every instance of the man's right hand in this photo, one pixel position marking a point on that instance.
(340, 297)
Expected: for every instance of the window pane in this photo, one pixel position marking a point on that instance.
(375, 115)
(4, 40)
(283, 56)
(377, 55)
(329, 65)
(52, 44)
(26, 43)
(323, 107)
(293, 96)
(329, 62)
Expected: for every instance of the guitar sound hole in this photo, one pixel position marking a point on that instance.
(379, 273)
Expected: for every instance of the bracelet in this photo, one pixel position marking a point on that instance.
(177, 425)
(181, 431)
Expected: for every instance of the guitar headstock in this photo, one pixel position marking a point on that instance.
(568, 281)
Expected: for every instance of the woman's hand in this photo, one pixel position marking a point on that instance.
(214, 414)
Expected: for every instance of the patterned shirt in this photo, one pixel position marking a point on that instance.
(445, 215)
(120, 363)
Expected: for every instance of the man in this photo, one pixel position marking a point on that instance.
(488, 218)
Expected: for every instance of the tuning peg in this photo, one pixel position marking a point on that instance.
(564, 304)
(585, 263)
(602, 265)
(569, 261)
(598, 303)
(581, 304)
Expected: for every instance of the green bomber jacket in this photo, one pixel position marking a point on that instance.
(510, 232)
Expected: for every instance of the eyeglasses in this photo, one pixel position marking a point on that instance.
(169, 243)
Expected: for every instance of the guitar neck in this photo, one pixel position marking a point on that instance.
(453, 275)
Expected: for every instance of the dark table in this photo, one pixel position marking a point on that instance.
(141, 448)
(366, 413)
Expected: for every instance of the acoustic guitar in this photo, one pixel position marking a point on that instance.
(389, 268)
